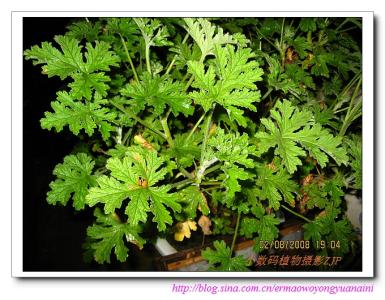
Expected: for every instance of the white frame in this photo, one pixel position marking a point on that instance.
(368, 147)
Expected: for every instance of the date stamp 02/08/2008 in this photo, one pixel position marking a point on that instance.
(305, 259)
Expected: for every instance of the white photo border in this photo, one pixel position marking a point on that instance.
(367, 135)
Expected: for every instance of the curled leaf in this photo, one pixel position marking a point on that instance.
(205, 223)
(143, 142)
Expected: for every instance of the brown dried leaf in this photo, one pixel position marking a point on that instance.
(205, 223)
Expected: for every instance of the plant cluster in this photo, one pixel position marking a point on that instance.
(219, 122)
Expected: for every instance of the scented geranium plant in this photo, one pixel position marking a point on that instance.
(213, 126)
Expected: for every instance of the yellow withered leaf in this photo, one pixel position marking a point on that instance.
(184, 230)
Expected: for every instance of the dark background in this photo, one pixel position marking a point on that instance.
(53, 235)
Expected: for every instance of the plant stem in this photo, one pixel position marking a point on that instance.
(267, 39)
(347, 121)
(126, 136)
(148, 59)
(189, 83)
(200, 172)
(212, 169)
(176, 55)
(342, 24)
(170, 142)
(167, 132)
(129, 58)
(282, 50)
(235, 233)
(210, 183)
(195, 126)
(207, 131)
(137, 119)
(192, 77)
(296, 214)
(267, 93)
(181, 183)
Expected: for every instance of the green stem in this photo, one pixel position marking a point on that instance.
(235, 233)
(148, 59)
(189, 83)
(282, 50)
(203, 166)
(210, 183)
(296, 214)
(176, 55)
(267, 39)
(129, 58)
(342, 24)
(192, 77)
(195, 126)
(267, 93)
(347, 121)
(347, 29)
(181, 183)
(167, 132)
(137, 119)
(126, 136)
(212, 169)
(207, 131)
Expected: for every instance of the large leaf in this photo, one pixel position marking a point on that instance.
(291, 131)
(135, 177)
(229, 81)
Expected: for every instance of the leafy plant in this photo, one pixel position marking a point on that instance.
(224, 123)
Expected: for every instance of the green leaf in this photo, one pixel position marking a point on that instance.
(84, 84)
(320, 67)
(158, 92)
(248, 227)
(275, 186)
(268, 230)
(355, 152)
(74, 177)
(78, 115)
(220, 259)
(280, 80)
(292, 131)
(83, 29)
(317, 197)
(325, 227)
(308, 24)
(233, 150)
(341, 232)
(229, 81)
(264, 225)
(153, 32)
(186, 150)
(222, 226)
(334, 187)
(195, 200)
(135, 177)
(109, 233)
(70, 61)
(206, 35)
(313, 231)
(300, 45)
(58, 63)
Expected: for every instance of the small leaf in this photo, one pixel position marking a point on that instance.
(220, 259)
(74, 177)
(205, 223)
(109, 233)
